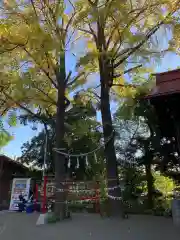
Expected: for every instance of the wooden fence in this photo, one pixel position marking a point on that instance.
(86, 193)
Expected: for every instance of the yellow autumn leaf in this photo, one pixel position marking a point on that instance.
(91, 46)
(120, 80)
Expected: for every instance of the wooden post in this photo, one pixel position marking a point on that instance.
(97, 198)
(1, 167)
(1, 175)
(36, 196)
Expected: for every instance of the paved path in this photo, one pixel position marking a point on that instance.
(86, 226)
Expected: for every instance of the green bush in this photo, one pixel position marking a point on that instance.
(51, 218)
(164, 184)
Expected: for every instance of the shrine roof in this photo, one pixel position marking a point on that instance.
(168, 72)
(166, 83)
(12, 162)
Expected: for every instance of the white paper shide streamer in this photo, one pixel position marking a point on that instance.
(69, 161)
(87, 163)
(78, 165)
(93, 152)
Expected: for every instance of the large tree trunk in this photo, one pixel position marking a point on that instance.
(106, 80)
(111, 161)
(60, 170)
(150, 185)
(115, 207)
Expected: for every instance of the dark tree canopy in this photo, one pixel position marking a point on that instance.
(82, 135)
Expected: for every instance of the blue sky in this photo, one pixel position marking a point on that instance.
(25, 133)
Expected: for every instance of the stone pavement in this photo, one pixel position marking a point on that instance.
(15, 226)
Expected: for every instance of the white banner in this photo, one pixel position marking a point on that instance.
(19, 186)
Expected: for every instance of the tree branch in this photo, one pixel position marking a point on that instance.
(112, 33)
(72, 5)
(127, 71)
(75, 79)
(68, 76)
(19, 104)
(9, 50)
(147, 37)
(34, 8)
(93, 3)
(97, 97)
(45, 94)
(57, 29)
(121, 35)
(70, 38)
(84, 30)
(69, 22)
(126, 86)
(93, 33)
(42, 69)
(34, 115)
(95, 94)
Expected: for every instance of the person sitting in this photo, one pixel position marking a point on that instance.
(31, 197)
(22, 203)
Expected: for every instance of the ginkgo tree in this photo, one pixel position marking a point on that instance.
(35, 36)
(123, 38)
(5, 137)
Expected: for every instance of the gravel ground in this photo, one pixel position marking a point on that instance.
(15, 226)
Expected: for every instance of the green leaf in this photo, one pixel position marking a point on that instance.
(12, 118)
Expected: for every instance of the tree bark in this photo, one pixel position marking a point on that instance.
(1, 168)
(1, 175)
(106, 79)
(150, 185)
(115, 206)
(60, 170)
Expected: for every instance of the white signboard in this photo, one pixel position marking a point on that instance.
(19, 186)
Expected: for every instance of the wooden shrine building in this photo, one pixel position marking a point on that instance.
(165, 97)
(8, 170)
